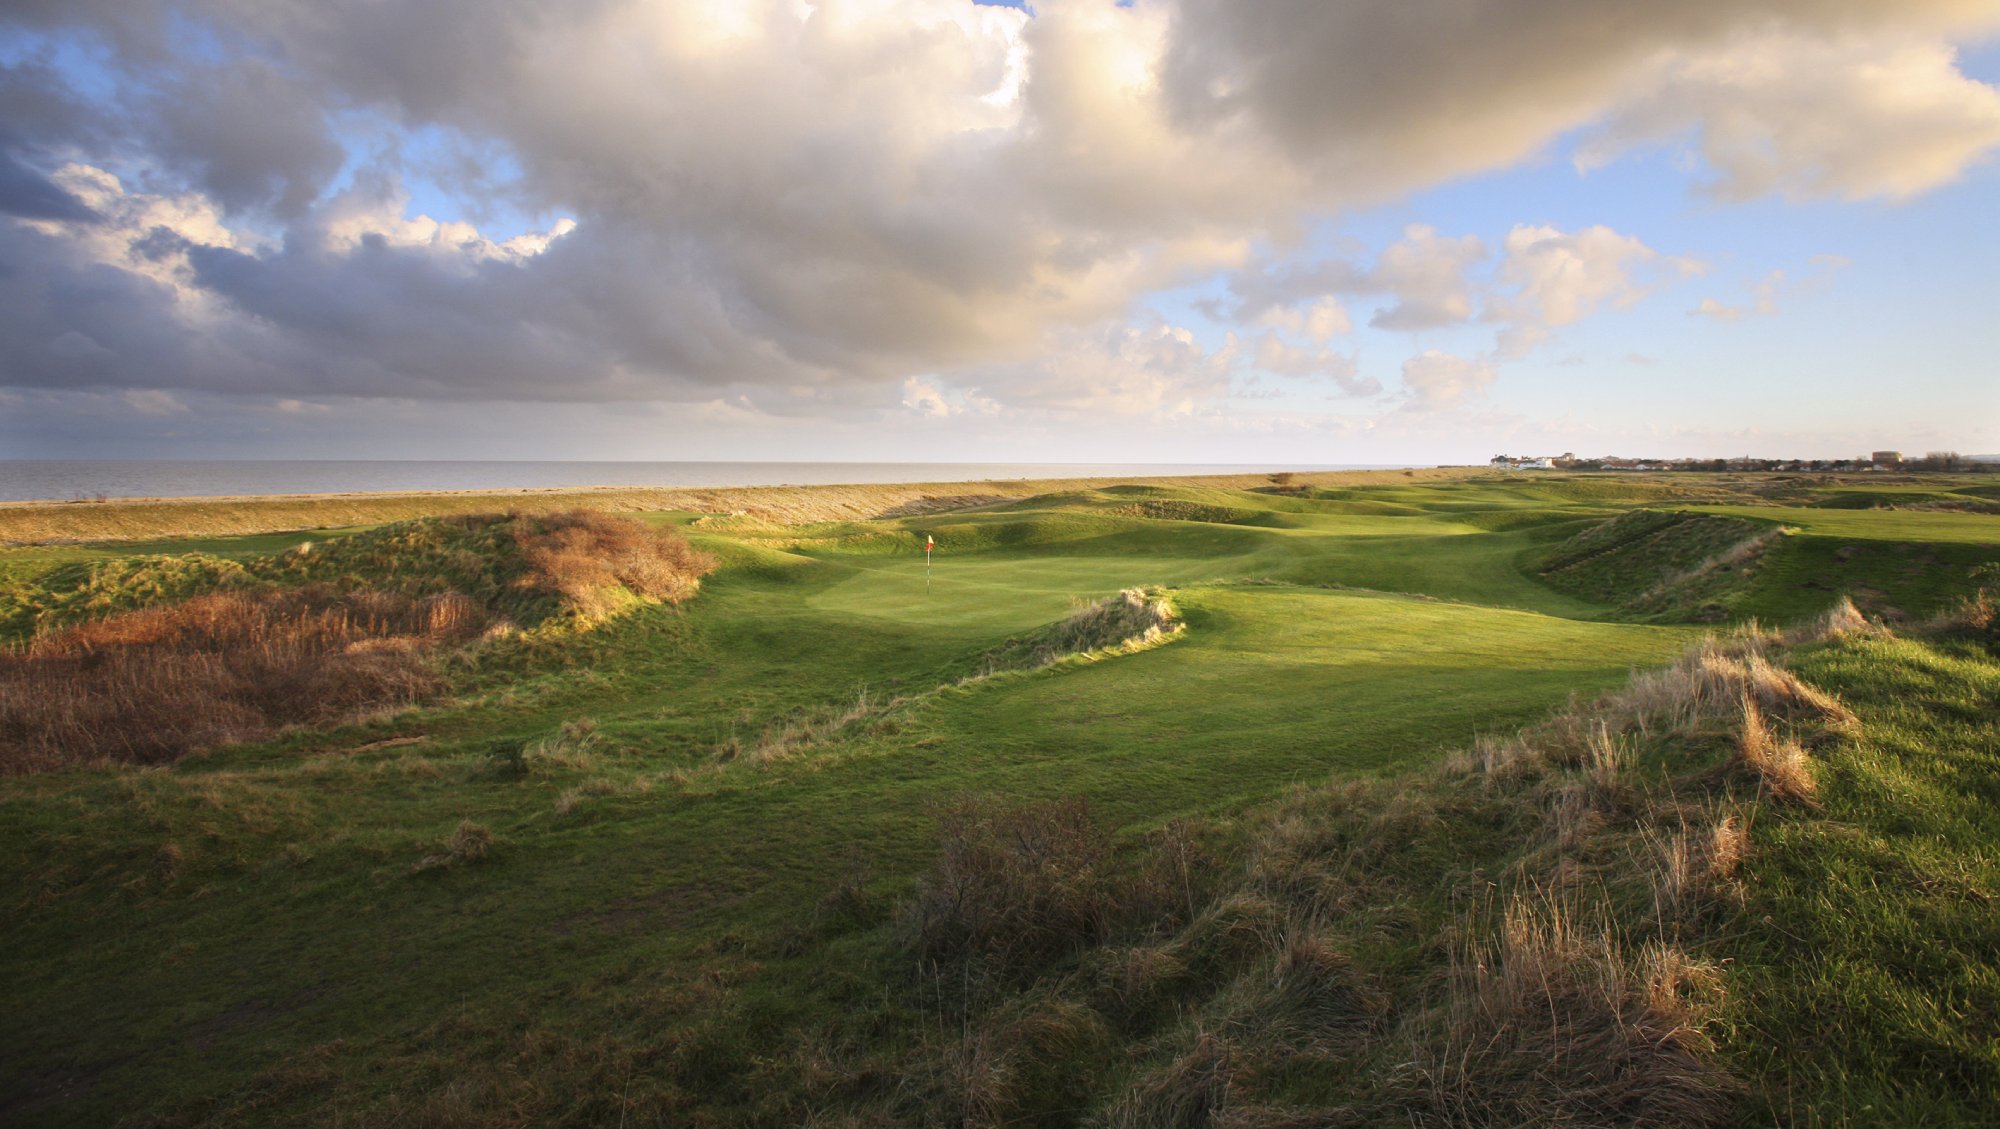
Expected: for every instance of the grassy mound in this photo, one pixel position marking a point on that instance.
(526, 567)
(1132, 620)
(162, 656)
(1660, 563)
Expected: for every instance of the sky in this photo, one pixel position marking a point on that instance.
(1259, 231)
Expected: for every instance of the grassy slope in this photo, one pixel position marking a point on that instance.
(267, 943)
(1877, 1000)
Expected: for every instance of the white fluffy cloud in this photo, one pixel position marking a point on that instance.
(1427, 274)
(1555, 278)
(1854, 117)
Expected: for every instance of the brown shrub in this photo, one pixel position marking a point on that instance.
(150, 686)
(586, 556)
(1014, 887)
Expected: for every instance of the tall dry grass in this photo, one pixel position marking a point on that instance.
(591, 559)
(1551, 1022)
(150, 686)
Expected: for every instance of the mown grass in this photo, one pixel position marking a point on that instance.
(544, 897)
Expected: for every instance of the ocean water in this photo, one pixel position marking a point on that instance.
(65, 480)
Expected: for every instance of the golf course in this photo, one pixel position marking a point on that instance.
(1442, 798)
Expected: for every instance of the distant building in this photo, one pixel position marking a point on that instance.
(1524, 462)
(1887, 458)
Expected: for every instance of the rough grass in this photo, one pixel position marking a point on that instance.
(1671, 564)
(526, 567)
(1529, 934)
(307, 637)
(148, 687)
(1130, 621)
(597, 562)
(237, 939)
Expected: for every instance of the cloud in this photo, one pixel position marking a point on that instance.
(1319, 320)
(792, 208)
(1437, 380)
(923, 398)
(1386, 95)
(154, 402)
(1156, 370)
(1855, 117)
(1426, 272)
(1279, 357)
(1767, 291)
(1557, 278)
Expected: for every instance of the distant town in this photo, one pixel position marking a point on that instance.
(1876, 461)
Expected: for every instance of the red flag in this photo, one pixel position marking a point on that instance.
(928, 542)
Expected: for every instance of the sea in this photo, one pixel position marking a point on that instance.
(71, 480)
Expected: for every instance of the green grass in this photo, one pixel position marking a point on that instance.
(240, 938)
(1878, 525)
(1868, 987)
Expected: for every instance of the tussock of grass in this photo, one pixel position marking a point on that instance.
(597, 562)
(468, 844)
(1130, 621)
(1014, 887)
(1779, 763)
(1550, 1022)
(1714, 683)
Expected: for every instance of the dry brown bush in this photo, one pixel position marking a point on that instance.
(1013, 887)
(150, 686)
(586, 556)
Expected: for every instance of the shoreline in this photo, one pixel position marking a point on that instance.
(52, 522)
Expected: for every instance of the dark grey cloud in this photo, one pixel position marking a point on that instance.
(25, 192)
(248, 134)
